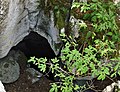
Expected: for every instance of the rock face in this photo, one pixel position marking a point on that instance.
(18, 18)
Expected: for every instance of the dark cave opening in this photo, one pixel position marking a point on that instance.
(35, 45)
(38, 46)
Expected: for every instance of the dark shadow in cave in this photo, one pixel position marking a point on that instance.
(38, 46)
(35, 45)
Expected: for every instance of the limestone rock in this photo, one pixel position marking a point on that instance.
(2, 89)
(9, 68)
(18, 18)
(114, 87)
(33, 75)
(116, 1)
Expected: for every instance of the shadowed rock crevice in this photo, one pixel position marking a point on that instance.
(35, 45)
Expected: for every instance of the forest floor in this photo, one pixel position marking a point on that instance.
(23, 84)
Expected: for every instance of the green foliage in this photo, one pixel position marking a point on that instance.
(94, 53)
(78, 64)
(59, 8)
(100, 18)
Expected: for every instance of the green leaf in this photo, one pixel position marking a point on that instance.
(94, 19)
(114, 74)
(84, 69)
(76, 87)
(42, 67)
(85, 7)
(119, 72)
(95, 0)
(101, 76)
(55, 60)
(54, 88)
(116, 67)
(32, 59)
(51, 90)
(61, 75)
(99, 15)
(92, 65)
(63, 35)
(89, 34)
(86, 16)
(75, 5)
(106, 71)
(63, 58)
(110, 33)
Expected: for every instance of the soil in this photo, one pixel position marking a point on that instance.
(23, 84)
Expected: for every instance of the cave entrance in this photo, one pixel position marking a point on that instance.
(38, 46)
(35, 45)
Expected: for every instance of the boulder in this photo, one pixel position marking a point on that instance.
(33, 75)
(9, 67)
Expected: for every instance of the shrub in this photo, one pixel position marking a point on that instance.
(95, 61)
(93, 53)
